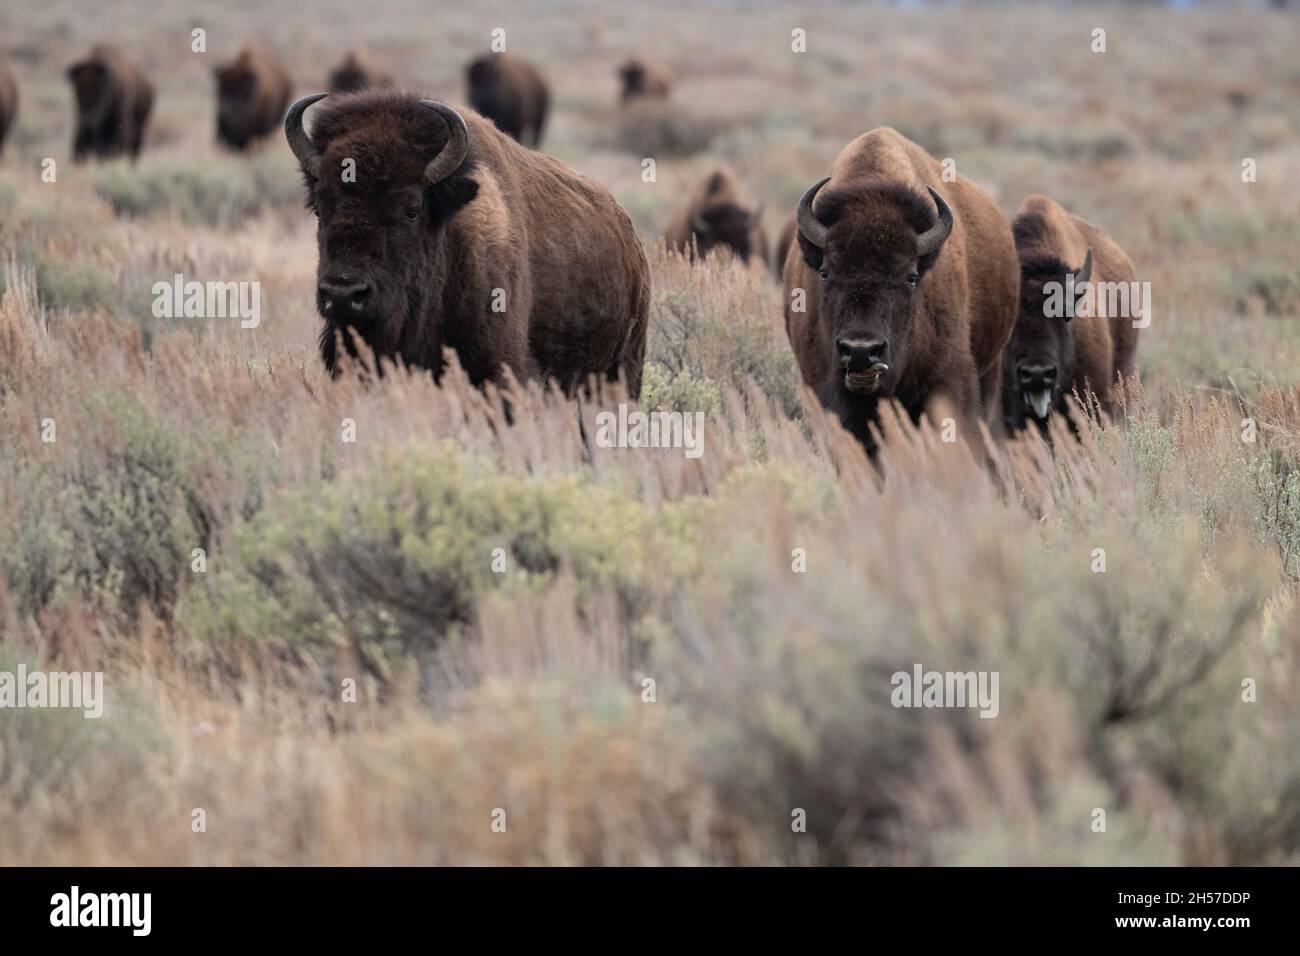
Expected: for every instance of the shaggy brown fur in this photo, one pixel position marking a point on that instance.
(8, 102)
(515, 261)
(511, 93)
(357, 72)
(642, 79)
(943, 318)
(252, 94)
(1060, 354)
(717, 215)
(113, 100)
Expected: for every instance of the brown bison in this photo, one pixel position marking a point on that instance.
(716, 215)
(511, 93)
(114, 98)
(643, 80)
(900, 286)
(356, 72)
(451, 235)
(8, 102)
(252, 93)
(1065, 339)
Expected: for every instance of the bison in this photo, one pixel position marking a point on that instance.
(114, 98)
(642, 80)
(8, 102)
(1051, 355)
(783, 243)
(716, 215)
(252, 93)
(451, 235)
(356, 72)
(900, 286)
(511, 93)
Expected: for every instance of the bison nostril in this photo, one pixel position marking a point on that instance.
(333, 291)
(1036, 374)
(861, 354)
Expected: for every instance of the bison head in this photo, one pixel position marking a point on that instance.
(720, 221)
(872, 246)
(384, 173)
(236, 103)
(350, 76)
(1039, 360)
(91, 86)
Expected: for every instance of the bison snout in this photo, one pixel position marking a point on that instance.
(1035, 376)
(859, 355)
(338, 295)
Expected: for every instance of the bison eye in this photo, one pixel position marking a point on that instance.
(914, 278)
(823, 273)
(412, 213)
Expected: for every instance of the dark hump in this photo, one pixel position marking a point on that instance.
(1043, 265)
(1031, 231)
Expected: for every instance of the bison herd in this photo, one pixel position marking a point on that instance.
(440, 228)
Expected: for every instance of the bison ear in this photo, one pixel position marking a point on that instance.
(812, 255)
(450, 196)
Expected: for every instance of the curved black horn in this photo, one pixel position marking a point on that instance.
(453, 154)
(1085, 270)
(930, 240)
(303, 147)
(809, 227)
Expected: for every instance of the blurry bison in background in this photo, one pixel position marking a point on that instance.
(357, 72)
(8, 102)
(716, 215)
(252, 93)
(454, 236)
(113, 102)
(643, 80)
(511, 93)
(909, 286)
(783, 244)
(1053, 351)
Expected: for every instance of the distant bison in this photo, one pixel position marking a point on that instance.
(643, 80)
(716, 215)
(511, 93)
(356, 72)
(908, 286)
(114, 98)
(783, 243)
(8, 102)
(453, 236)
(1050, 355)
(252, 93)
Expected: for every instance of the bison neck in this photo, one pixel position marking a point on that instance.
(857, 413)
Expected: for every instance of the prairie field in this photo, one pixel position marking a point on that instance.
(382, 621)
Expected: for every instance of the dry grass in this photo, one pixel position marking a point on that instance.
(476, 690)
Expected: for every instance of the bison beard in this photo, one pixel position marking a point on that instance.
(113, 100)
(908, 293)
(450, 235)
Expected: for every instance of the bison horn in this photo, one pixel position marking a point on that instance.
(930, 240)
(809, 226)
(303, 147)
(1085, 270)
(453, 154)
